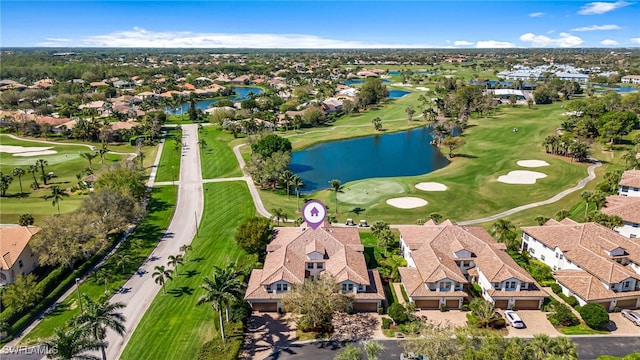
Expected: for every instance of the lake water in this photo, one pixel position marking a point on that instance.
(242, 93)
(405, 153)
(618, 89)
(396, 94)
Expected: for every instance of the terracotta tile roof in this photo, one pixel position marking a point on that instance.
(13, 240)
(497, 294)
(287, 255)
(374, 291)
(586, 245)
(51, 120)
(630, 178)
(627, 207)
(416, 288)
(587, 286)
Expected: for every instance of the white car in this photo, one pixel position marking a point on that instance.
(514, 319)
(633, 316)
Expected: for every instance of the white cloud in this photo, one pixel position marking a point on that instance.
(597, 8)
(58, 39)
(635, 40)
(537, 14)
(462, 43)
(609, 42)
(564, 40)
(139, 37)
(488, 44)
(597, 28)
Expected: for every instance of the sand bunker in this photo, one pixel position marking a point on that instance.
(26, 151)
(422, 88)
(521, 177)
(407, 202)
(532, 163)
(431, 186)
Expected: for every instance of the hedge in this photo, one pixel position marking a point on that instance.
(595, 316)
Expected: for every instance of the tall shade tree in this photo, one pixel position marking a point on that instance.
(221, 289)
(112, 208)
(71, 344)
(97, 317)
(174, 261)
(33, 169)
(336, 185)
(453, 143)
(41, 163)
(297, 184)
(161, 275)
(89, 156)
(56, 196)
(5, 181)
(19, 172)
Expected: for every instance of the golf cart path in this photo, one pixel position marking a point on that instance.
(252, 187)
(139, 291)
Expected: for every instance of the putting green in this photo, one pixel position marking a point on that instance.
(370, 191)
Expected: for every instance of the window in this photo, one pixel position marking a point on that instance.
(511, 285)
(309, 266)
(20, 264)
(626, 284)
(285, 287)
(268, 287)
(465, 264)
(319, 265)
(561, 256)
(347, 288)
(542, 257)
(532, 251)
(445, 286)
(632, 236)
(496, 285)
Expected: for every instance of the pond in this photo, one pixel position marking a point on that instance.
(242, 93)
(616, 88)
(396, 94)
(405, 153)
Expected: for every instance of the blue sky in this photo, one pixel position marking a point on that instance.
(320, 24)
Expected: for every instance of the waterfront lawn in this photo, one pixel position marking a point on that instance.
(66, 164)
(169, 166)
(174, 327)
(217, 158)
(145, 237)
(492, 150)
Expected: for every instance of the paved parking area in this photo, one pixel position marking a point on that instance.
(454, 317)
(536, 323)
(621, 326)
(265, 333)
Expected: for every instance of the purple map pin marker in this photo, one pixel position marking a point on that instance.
(314, 212)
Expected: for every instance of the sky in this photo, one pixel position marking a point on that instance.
(320, 24)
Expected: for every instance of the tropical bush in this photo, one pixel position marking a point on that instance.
(398, 313)
(595, 316)
(562, 315)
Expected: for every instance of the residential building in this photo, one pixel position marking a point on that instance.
(631, 79)
(16, 257)
(444, 260)
(629, 184)
(591, 262)
(299, 253)
(628, 208)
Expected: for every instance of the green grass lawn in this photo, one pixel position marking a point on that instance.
(174, 327)
(492, 150)
(160, 211)
(169, 166)
(65, 163)
(217, 158)
(580, 330)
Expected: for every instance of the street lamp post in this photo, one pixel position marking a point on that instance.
(78, 290)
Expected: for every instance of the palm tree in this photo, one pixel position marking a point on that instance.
(71, 344)
(562, 214)
(540, 220)
(41, 163)
(89, 157)
(336, 185)
(297, 184)
(278, 214)
(103, 275)
(161, 275)
(435, 217)
(56, 195)
(221, 288)
(373, 349)
(539, 345)
(586, 196)
(97, 317)
(203, 144)
(377, 123)
(184, 248)
(140, 155)
(503, 231)
(410, 112)
(122, 259)
(598, 198)
(629, 159)
(175, 260)
(33, 169)
(287, 178)
(102, 152)
(19, 172)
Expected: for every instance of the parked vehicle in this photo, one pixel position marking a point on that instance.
(633, 316)
(412, 356)
(513, 319)
(350, 222)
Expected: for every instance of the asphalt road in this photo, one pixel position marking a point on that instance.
(589, 348)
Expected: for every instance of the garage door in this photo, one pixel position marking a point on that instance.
(527, 304)
(502, 304)
(453, 304)
(265, 306)
(627, 304)
(606, 304)
(428, 304)
(365, 306)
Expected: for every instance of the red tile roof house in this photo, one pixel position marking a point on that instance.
(444, 260)
(629, 183)
(16, 257)
(591, 262)
(299, 253)
(628, 208)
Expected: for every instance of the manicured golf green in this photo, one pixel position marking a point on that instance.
(492, 149)
(161, 207)
(216, 156)
(174, 327)
(65, 163)
(169, 166)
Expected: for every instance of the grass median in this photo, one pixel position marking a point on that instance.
(136, 249)
(174, 327)
(216, 156)
(169, 166)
